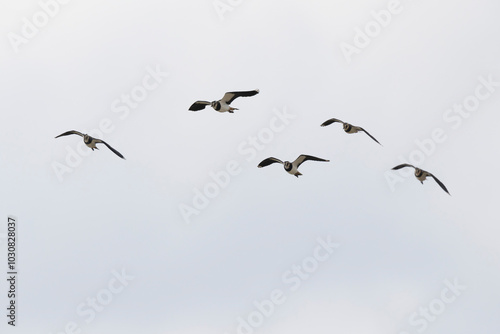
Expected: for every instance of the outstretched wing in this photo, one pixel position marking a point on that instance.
(440, 183)
(330, 121)
(231, 96)
(368, 134)
(108, 146)
(199, 105)
(72, 132)
(402, 166)
(269, 161)
(304, 157)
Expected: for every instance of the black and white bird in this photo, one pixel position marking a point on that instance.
(349, 128)
(421, 175)
(290, 167)
(223, 105)
(90, 141)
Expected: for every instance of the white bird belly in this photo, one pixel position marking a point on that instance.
(224, 107)
(293, 171)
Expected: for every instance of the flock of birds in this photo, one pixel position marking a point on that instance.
(224, 105)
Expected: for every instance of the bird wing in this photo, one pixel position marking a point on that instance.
(304, 157)
(402, 166)
(199, 105)
(269, 161)
(368, 134)
(108, 146)
(440, 183)
(330, 121)
(72, 132)
(231, 96)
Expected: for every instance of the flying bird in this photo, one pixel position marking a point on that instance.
(421, 175)
(290, 167)
(349, 128)
(90, 141)
(223, 105)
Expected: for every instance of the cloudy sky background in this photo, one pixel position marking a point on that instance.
(397, 245)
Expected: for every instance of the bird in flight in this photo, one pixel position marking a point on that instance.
(223, 105)
(421, 175)
(290, 167)
(90, 141)
(349, 128)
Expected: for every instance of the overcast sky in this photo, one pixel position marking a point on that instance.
(187, 235)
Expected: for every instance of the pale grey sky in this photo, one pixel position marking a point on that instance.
(135, 236)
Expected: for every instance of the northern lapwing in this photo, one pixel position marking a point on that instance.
(421, 175)
(290, 167)
(349, 128)
(223, 105)
(90, 141)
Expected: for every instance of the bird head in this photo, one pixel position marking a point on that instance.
(215, 105)
(87, 139)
